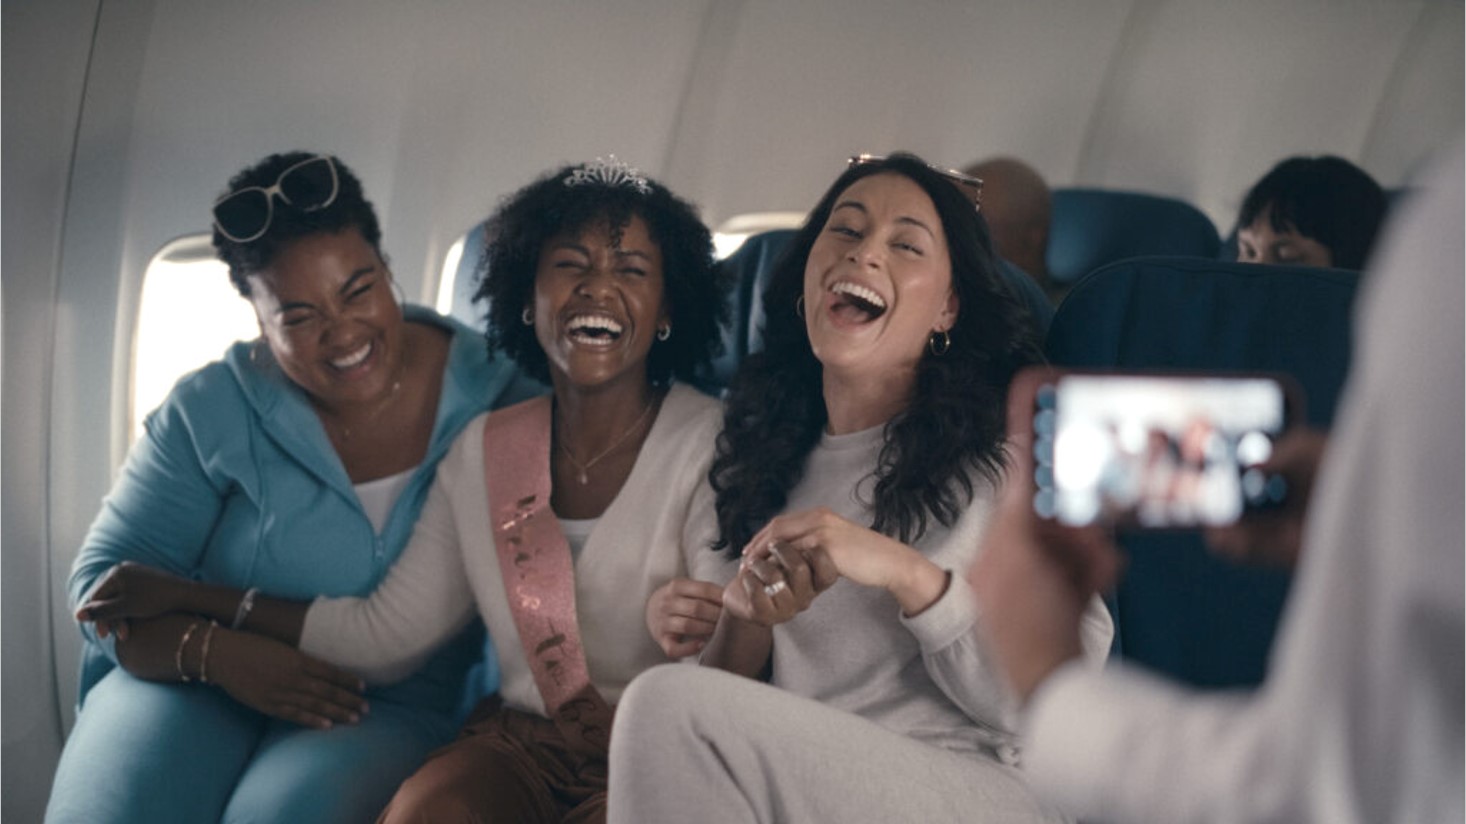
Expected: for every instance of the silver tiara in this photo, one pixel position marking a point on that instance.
(611, 172)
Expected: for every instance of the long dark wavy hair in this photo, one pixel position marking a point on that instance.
(952, 431)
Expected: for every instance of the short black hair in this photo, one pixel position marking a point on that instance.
(694, 291)
(1327, 199)
(350, 210)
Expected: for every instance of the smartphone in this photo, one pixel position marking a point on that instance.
(1153, 450)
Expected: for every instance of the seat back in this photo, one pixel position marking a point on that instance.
(747, 271)
(1093, 227)
(1178, 609)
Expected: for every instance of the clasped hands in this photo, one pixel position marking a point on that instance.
(784, 567)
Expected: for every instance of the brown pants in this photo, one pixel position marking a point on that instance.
(505, 766)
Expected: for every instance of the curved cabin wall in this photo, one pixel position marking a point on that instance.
(125, 119)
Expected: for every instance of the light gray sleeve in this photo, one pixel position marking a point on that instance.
(1096, 742)
(422, 603)
(954, 658)
(957, 663)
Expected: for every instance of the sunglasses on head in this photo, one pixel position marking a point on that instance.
(969, 186)
(245, 214)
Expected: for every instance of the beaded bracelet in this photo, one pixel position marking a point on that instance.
(178, 654)
(246, 604)
(204, 659)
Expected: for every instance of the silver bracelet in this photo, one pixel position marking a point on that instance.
(246, 604)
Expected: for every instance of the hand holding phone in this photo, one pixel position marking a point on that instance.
(1152, 450)
(1274, 537)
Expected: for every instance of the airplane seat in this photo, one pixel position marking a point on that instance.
(749, 269)
(1092, 227)
(747, 272)
(1178, 609)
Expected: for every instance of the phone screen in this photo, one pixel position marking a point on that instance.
(1155, 451)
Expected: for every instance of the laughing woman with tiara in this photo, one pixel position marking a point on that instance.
(554, 519)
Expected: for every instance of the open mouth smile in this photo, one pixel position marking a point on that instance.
(593, 330)
(354, 359)
(856, 303)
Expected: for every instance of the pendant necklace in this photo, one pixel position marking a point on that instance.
(584, 468)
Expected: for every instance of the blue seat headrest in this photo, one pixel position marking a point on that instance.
(1092, 227)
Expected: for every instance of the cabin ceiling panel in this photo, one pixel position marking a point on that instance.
(465, 102)
(1422, 106)
(803, 85)
(1207, 96)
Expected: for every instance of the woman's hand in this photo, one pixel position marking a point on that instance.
(681, 615)
(776, 582)
(1275, 537)
(131, 590)
(281, 681)
(855, 552)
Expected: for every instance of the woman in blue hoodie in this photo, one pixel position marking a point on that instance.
(296, 467)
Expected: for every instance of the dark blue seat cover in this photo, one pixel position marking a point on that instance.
(1093, 227)
(1178, 609)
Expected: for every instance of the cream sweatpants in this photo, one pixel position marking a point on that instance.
(696, 744)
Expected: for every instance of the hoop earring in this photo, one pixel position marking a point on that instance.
(397, 291)
(799, 306)
(664, 332)
(939, 345)
(527, 317)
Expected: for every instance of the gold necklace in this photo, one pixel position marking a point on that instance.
(584, 477)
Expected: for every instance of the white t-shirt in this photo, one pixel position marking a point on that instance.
(378, 497)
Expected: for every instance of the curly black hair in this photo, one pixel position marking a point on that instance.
(350, 210)
(695, 293)
(955, 424)
(1325, 198)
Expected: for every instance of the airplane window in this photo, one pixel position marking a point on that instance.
(188, 315)
(733, 231)
(447, 280)
(455, 283)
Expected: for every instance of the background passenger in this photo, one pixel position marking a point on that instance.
(1016, 203)
(1360, 717)
(600, 282)
(874, 422)
(1311, 211)
(294, 466)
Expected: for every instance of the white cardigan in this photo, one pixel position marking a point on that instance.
(450, 568)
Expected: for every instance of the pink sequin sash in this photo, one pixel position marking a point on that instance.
(539, 576)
